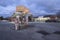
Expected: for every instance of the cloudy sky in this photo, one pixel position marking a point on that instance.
(37, 7)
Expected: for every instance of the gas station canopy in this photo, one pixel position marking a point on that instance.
(22, 9)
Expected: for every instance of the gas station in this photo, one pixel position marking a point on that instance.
(21, 16)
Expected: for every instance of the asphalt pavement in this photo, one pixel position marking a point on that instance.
(35, 31)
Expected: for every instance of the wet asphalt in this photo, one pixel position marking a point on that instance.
(34, 31)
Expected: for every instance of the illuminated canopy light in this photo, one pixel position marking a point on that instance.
(22, 9)
(19, 8)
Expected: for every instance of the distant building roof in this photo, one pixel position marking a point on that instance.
(50, 15)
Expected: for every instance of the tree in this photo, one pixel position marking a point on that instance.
(58, 13)
(30, 18)
(1, 17)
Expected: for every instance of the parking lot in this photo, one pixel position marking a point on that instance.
(35, 31)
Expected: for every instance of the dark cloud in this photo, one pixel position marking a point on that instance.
(7, 2)
(38, 7)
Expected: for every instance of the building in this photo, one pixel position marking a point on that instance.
(41, 19)
(53, 18)
(22, 11)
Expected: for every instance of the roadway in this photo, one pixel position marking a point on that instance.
(35, 31)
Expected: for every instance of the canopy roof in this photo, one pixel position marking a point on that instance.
(22, 9)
